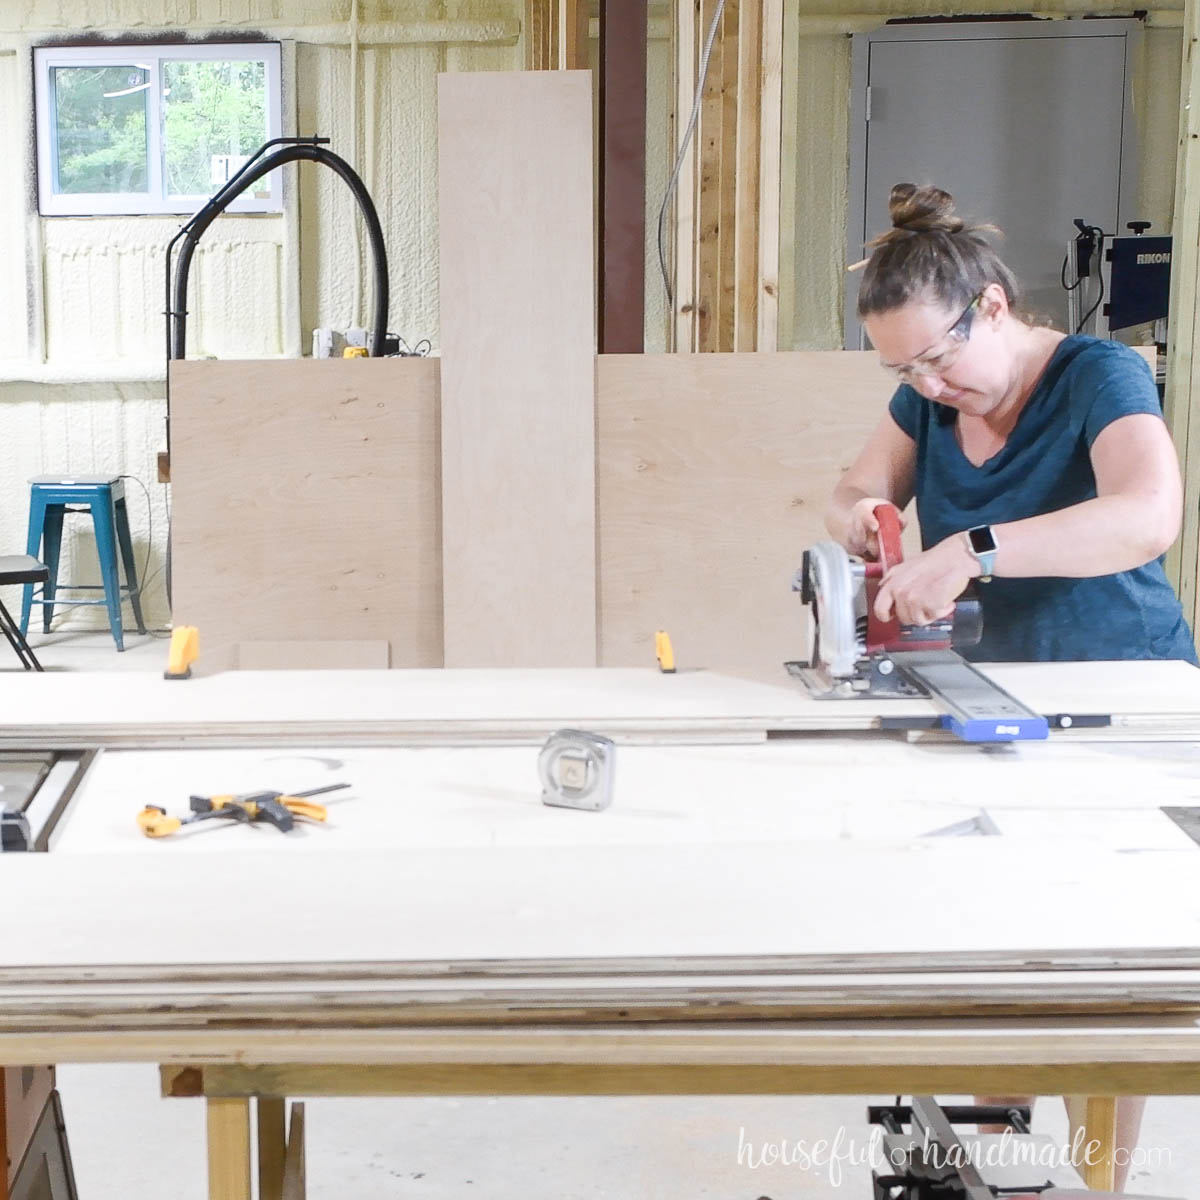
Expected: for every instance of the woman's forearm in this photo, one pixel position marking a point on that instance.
(1097, 537)
(838, 514)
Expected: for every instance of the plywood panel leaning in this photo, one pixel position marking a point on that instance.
(713, 475)
(306, 503)
(518, 375)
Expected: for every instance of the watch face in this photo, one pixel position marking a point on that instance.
(982, 540)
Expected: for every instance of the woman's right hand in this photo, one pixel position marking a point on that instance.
(862, 532)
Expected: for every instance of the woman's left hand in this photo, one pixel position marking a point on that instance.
(923, 589)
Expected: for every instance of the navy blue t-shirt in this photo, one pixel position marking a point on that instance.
(1045, 466)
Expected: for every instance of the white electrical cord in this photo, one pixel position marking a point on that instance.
(683, 146)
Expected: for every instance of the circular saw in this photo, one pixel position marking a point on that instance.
(852, 649)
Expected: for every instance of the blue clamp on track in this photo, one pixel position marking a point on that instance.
(997, 729)
(975, 708)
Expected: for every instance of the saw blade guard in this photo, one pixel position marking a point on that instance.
(836, 643)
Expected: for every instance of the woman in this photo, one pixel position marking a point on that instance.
(1040, 464)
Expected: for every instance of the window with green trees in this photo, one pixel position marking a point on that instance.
(146, 129)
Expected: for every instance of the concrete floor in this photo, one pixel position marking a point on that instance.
(127, 1143)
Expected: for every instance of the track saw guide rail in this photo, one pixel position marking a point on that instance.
(855, 655)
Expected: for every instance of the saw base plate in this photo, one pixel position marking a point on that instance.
(873, 682)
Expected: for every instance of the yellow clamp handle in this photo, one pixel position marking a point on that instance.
(304, 808)
(154, 822)
(185, 646)
(664, 652)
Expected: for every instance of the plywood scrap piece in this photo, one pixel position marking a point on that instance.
(714, 472)
(290, 517)
(518, 375)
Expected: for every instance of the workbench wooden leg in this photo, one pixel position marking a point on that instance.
(272, 1146)
(295, 1185)
(1100, 1127)
(228, 1149)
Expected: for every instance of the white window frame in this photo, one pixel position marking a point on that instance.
(46, 58)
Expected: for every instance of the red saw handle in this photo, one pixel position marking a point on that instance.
(891, 551)
(882, 634)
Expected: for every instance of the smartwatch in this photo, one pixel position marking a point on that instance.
(981, 541)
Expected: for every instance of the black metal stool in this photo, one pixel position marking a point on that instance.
(20, 568)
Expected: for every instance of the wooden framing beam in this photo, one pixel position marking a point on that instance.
(745, 185)
(536, 30)
(770, 132)
(684, 274)
(726, 1074)
(727, 215)
(555, 35)
(727, 189)
(708, 189)
(572, 35)
(1183, 395)
(622, 155)
(789, 154)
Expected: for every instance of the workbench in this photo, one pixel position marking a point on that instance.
(787, 896)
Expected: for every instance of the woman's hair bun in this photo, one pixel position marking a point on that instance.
(929, 252)
(923, 209)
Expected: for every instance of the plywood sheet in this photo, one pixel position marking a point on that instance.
(1071, 795)
(305, 503)
(714, 473)
(518, 375)
(472, 706)
(598, 902)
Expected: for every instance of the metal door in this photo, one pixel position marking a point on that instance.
(1027, 124)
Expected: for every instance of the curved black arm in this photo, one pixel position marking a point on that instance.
(259, 165)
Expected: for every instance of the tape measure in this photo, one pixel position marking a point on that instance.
(576, 769)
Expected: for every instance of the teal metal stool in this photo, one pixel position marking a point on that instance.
(103, 496)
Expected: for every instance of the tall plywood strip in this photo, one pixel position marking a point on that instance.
(713, 473)
(518, 374)
(305, 504)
